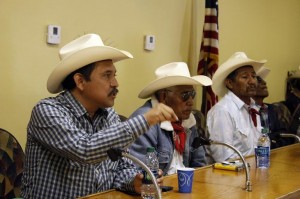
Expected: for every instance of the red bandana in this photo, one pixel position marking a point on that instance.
(179, 136)
(253, 114)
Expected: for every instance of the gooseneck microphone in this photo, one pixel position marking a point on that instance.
(288, 135)
(199, 141)
(114, 154)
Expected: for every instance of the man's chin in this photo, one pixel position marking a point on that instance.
(112, 104)
(252, 93)
(186, 116)
(109, 104)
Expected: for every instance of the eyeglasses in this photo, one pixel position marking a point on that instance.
(186, 95)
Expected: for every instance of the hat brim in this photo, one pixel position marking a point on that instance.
(169, 81)
(218, 79)
(81, 59)
(296, 74)
(263, 72)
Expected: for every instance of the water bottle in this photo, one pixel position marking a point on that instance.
(262, 151)
(148, 190)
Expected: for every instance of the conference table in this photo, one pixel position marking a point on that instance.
(281, 180)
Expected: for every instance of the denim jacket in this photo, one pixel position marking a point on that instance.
(162, 140)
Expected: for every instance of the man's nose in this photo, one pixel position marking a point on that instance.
(114, 83)
(190, 101)
(253, 80)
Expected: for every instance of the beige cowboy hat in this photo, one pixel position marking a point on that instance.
(172, 74)
(236, 61)
(263, 72)
(80, 52)
(296, 74)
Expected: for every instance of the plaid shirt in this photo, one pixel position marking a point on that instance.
(66, 151)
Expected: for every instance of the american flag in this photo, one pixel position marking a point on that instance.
(209, 52)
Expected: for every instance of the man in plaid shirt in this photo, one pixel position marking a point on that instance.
(69, 135)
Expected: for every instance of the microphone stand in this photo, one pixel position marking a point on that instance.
(288, 135)
(202, 141)
(115, 154)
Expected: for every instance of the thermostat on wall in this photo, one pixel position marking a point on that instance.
(53, 34)
(149, 42)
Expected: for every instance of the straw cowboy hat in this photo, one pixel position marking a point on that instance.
(172, 74)
(263, 72)
(82, 51)
(296, 74)
(236, 61)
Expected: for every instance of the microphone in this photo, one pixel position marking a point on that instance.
(114, 154)
(199, 141)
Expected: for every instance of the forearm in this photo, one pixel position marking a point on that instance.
(87, 144)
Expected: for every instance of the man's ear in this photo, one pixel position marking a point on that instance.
(162, 96)
(228, 83)
(79, 81)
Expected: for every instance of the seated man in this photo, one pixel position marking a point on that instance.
(293, 101)
(172, 140)
(275, 117)
(234, 119)
(68, 135)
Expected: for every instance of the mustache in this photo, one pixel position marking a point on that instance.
(113, 92)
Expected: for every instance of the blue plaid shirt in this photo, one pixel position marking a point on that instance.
(66, 151)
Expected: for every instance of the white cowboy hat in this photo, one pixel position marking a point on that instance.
(263, 72)
(296, 74)
(172, 74)
(81, 52)
(236, 61)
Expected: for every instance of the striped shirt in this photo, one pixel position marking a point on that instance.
(66, 151)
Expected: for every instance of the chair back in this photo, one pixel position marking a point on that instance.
(295, 121)
(200, 122)
(11, 165)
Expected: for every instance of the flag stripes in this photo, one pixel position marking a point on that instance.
(209, 52)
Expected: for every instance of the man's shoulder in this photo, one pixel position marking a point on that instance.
(60, 102)
(48, 100)
(279, 108)
(224, 105)
(60, 98)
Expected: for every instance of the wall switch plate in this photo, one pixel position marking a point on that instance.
(54, 34)
(149, 42)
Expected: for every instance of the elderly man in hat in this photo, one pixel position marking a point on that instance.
(276, 116)
(293, 100)
(234, 119)
(172, 141)
(68, 136)
(261, 93)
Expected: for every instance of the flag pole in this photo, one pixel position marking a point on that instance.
(204, 90)
(208, 62)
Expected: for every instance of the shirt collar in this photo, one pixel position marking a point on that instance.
(263, 107)
(74, 105)
(239, 103)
